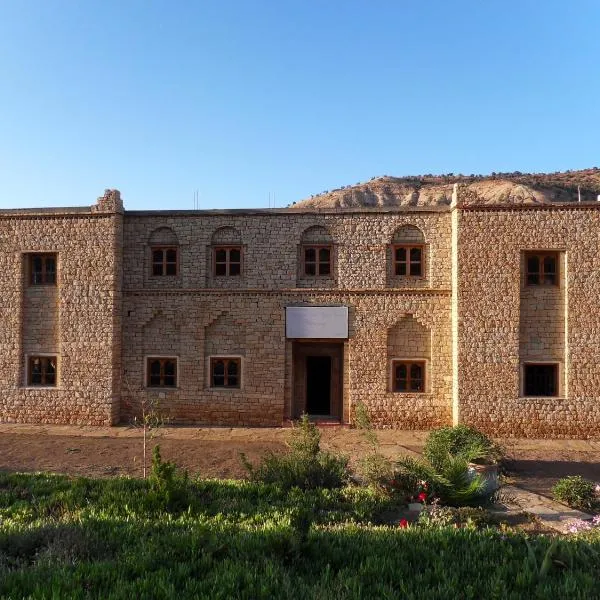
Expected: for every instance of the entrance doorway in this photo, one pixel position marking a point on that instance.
(317, 379)
(318, 385)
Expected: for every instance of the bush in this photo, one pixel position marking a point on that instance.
(169, 486)
(306, 466)
(463, 442)
(576, 492)
(452, 483)
(376, 470)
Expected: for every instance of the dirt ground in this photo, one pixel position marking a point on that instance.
(215, 452)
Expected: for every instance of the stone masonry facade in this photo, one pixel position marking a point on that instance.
(464, 313)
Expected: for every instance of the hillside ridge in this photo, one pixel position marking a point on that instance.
(431, 190)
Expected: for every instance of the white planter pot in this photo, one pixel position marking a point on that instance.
(415, 506)
(488, 474)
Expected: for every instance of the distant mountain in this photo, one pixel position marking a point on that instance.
(431, 190)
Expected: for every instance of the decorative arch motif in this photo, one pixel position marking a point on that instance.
(408, 337)
(163, 236)
(408, 234)
(316, 234)
(409, 354)
(226, 235)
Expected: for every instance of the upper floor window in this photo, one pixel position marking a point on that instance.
(317, 261)
(161, 372)
(541, 268)
(227, 261)
(164, 261)
(408, 376)
(41, 371)
(408, 261)
(42, 269)
(226, 372)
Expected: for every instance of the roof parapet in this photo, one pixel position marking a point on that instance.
(111, 202)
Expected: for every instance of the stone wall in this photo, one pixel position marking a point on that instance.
(470, 316)
(500, 324)
(78, 319)
(246, 317)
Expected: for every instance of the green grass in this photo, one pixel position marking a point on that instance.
(81, 538)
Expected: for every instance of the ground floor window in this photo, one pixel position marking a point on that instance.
(540, 379)
(225, 372)
(408, 376)
(41, 371)
(161, 371)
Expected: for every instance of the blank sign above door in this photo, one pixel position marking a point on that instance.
(316, 322)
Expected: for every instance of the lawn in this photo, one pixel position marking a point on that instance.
(122, 538)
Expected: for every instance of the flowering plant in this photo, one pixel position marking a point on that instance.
(578, 525)
(421, 493)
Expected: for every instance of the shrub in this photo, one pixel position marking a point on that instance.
(306, 466)
(376, 469)
(463, 442)
(169, 487)
(576, 492)
(451, 482)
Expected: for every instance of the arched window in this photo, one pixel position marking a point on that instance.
(226, 246)
(164, 250)
(316, 253)
(407, 255)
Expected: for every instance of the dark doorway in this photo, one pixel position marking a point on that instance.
(318, 385)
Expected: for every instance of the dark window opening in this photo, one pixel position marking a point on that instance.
(317, 261)
(408, 261)
(162, 372)
(408, 376)
(164, 261)
(227, 261)
(541, 380)
(541, 268)
(42, 370)
(226, 372)
(42, 268)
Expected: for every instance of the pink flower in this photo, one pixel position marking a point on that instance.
(422, 497)
(403, 523)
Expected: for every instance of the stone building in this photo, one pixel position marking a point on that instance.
(429, 315)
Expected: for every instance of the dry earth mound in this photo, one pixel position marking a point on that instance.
(435, 190)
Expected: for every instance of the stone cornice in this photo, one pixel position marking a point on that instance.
(289, 292)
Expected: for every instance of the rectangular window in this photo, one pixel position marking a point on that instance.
(42, 371)
(227, 261)
(541, 268)
(408, 261)
(225, 372)
(161, 371)
(164, 261)
(540, 380)
(408, 376)
(42, 269)
(317, 261)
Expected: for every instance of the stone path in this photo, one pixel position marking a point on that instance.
(552, 514)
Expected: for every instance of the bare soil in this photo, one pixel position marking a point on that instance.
(215, 452)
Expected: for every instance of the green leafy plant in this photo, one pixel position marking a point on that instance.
(576, 492)
(450, 482)
(305, 466)
(168, 484)
(149, 419)
(556, 555)
(461, 442)
(374, 468)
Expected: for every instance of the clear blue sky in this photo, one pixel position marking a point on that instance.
(237, 99)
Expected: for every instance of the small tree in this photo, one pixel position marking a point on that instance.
(149, 419)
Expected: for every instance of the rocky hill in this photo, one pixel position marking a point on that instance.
(428, 190)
